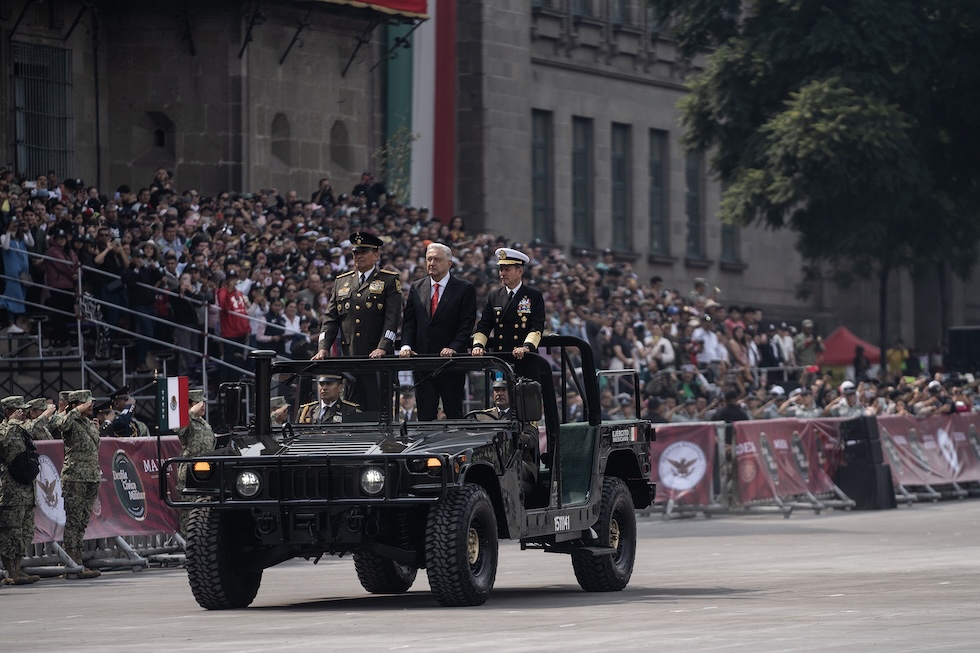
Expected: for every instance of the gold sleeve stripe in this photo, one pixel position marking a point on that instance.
(533, 338)
(479, 339)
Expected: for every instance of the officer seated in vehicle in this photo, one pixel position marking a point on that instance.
(330, 408)
(501, 404)
(528, 442)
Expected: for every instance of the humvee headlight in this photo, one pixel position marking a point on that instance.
(372, 481)
(248, 484)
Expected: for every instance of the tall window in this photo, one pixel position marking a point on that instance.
(542, 175)
(43, 109)
(729, 243)
(583, 206)
(582, 7)
(694, 196)
(619, 12)
(659, 243)
(621, 187)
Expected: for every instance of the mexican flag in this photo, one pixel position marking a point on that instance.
(172, 403)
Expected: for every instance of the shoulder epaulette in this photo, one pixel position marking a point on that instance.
(392, 272)
(312, 403)
(344, 274)
(350, 403)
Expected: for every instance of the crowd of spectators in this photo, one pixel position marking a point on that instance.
(258, 268)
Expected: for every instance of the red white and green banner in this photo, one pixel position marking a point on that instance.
(172, 403)
(128, 502)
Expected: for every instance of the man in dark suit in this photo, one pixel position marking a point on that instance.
(366, 307)
(514, 313)
(438, 321)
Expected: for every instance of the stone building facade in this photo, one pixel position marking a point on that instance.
(566, 128)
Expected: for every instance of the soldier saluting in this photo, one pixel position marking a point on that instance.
(80, 475)
(16, 496)
(196, 439)
(365, 307)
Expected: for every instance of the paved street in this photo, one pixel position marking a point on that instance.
(901, 580)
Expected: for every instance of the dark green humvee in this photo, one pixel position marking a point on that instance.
(404, 496)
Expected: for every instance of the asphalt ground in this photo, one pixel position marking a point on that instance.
(898, 580)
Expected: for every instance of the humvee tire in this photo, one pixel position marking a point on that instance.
(461, 547)
(379, 575)
(616, 529)
(213, 540)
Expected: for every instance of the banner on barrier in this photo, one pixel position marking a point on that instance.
(128, 502)
(936, 450)
(771, 459)
(684, 460)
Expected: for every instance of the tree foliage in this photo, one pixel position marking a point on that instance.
(851, 122)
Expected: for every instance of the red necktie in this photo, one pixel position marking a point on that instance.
(435, 299)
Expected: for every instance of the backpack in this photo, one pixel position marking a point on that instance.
(26, 465)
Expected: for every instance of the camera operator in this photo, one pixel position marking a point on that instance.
(112, 260)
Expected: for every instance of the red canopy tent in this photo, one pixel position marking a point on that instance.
(839, 348)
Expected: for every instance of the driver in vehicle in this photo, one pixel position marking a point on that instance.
(330, 408)
(501, 402)
(529, 444)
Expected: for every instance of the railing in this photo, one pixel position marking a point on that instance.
(88, 329)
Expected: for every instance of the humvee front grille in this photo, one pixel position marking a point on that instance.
(317, 447)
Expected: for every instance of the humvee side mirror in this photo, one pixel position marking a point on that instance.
(231, 398)
(527, 402)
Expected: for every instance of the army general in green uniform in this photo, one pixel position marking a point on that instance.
(365, 307)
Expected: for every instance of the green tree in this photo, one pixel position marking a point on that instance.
(851, 122)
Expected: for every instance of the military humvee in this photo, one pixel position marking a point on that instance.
(404, 496)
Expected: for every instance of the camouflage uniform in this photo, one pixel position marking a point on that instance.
(196, 439)
(80, 475)
(16, 505)
(38, 427)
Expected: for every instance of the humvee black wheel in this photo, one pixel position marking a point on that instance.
(380, 575)
(214, 571)
(461, 548)
(617, 530)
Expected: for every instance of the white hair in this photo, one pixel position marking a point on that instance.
(448, 253)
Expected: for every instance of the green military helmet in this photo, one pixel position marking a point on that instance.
(79, 396)
(277, 402)
(38, 404)
(195, 396)
(13, 402)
